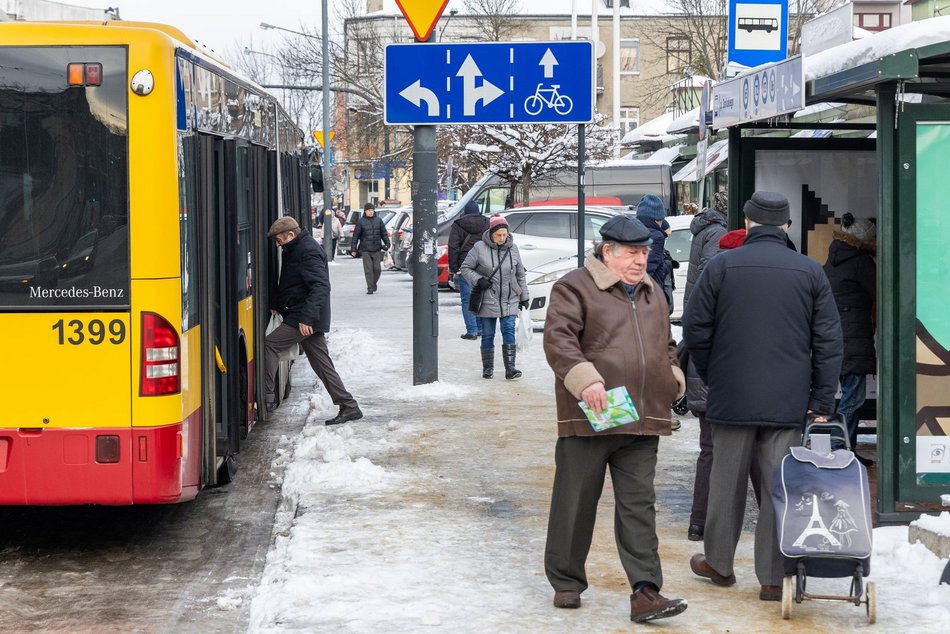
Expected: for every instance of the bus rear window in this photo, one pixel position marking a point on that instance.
(64, 215)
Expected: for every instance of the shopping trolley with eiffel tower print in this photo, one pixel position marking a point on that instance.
(823, 514)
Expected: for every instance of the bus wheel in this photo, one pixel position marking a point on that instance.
(227, 471)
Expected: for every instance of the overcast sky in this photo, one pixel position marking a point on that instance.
(220, 24)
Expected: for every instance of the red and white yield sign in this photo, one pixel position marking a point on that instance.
(422, 15)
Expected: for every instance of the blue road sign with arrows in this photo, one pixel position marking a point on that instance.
(510, 82)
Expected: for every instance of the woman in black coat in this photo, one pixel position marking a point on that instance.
(851, 271)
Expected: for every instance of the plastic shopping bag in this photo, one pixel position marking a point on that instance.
(524, 329)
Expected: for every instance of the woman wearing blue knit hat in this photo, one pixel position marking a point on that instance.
(652, 214)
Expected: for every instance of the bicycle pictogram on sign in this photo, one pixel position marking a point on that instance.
(549, 97)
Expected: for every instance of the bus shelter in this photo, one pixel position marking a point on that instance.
(893, 166)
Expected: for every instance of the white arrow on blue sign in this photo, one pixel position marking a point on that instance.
(520, 82)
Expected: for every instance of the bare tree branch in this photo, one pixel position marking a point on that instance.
(491, 19)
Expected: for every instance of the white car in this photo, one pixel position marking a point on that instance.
(542, 278)
(543, 234)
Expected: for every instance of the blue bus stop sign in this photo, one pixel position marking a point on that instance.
(758, 31)
(511, 82)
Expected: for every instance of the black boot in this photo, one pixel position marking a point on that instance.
(488, 363)
(508, 352)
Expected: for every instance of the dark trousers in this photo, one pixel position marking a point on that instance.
(315, 347)
(738, 453)
(581, 462)
(703, 468)
(372, 268)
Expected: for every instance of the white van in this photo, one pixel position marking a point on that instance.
(619, 184)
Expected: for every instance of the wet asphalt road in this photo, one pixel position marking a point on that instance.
(185, 567)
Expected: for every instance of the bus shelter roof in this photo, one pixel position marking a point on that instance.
(917, 53)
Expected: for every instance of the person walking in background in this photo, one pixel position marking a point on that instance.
(494, 266)
(707, 228)
(607, 327)
(336, 228)
(763, 332)
(652, 214)
(465, 233)
(852, 273)
(696, 392)
(370, 239)
(303, 300)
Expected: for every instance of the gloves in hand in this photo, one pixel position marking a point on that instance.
(524, 304)
(483, 283)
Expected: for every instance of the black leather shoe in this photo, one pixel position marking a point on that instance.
(470, 337)
(270, 406)
(695, 533)
(369, 292)
(346, 415)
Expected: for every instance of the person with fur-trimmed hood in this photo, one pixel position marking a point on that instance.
(707, 229)
(493, 267)
(851, 270)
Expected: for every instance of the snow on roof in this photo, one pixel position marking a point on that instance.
(716, 154)
(666, 154)
(653, 130)
(622, 162)
(900, 38)
(685, 123)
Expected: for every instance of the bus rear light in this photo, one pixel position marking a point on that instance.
(161, 349)
(161, 354)
(107, 449)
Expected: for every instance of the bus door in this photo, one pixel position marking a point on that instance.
(264, 265)
(217, 314)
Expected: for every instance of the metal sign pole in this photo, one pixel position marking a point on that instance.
(425, 283)
(327, 194)
(581, 196)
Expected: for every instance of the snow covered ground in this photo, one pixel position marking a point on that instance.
(430, 514)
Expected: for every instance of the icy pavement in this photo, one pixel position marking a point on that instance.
(430, 513)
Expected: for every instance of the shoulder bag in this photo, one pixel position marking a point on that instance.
(478, 295)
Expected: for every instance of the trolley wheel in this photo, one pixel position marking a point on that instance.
(800, 580)
(788, 590)
(871, 602)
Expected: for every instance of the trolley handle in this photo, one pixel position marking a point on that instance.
(832, 424)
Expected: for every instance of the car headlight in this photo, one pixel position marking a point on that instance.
(554, 276)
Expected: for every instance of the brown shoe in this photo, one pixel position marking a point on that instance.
(699, 566)
(567, 599)
(648, 604)
(770, 593)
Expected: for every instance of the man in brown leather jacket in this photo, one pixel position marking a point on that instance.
(608, 326)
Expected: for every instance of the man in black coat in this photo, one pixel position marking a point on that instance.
(370, 239)
(303, 300)
(465, 233)
(762, 329)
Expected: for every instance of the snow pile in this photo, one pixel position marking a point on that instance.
(937, 524)
(900, 38)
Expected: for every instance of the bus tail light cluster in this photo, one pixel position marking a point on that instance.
(161, 352)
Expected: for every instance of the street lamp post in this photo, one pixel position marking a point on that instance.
(327, 202)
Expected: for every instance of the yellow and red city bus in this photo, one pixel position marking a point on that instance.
(138, 176)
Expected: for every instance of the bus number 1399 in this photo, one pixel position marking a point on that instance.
(94, 332)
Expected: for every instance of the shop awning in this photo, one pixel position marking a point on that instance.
(716, 154)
